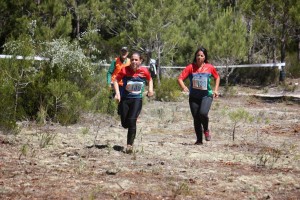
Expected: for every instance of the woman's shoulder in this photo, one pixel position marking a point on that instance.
(191, 65)
(143, 68)
(209, 64)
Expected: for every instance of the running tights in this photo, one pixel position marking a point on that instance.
(199, 120)
(130, 110)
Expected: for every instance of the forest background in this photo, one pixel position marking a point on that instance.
(76, 34)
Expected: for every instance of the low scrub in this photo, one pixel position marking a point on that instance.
(168, 90)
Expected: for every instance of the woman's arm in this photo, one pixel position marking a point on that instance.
(182, 85)
(216, 93)
(117, 90)
(150, 88)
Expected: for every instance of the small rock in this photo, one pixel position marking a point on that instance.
(267, 196)
(112, 171)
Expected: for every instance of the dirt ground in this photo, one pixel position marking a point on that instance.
(87, 160)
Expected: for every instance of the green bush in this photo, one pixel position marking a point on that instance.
(102, 100)
(293, 66)
(66, 101)
(168, 90)
(255, 76)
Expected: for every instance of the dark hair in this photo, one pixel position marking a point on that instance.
(137, 53)
(205, 54)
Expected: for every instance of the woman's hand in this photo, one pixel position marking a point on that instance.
(150, 93)
(216, 94)
(118, 97)
(185, 89)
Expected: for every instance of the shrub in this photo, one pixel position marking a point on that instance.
(293, 66)
(66, 101)
(168, 90)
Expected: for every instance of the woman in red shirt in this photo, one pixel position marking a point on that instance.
(130, 99)
(200, 73)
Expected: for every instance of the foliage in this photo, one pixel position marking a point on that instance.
(102, 100)
(229, 28)
(260, 76)
(238, 116)
(293, 66)
(72, 34)
(66, 101)
(168, 90)
(55, 90)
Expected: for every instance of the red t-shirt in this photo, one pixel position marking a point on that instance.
(134, 82)
(200, 78)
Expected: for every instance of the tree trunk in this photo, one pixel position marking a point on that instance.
(226, 78)
(158, 66)
(283, 40)
(250, 50)
(77, 26)
(299, 48)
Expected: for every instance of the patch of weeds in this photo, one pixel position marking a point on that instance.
(261, 118)
(231, 91)
(41, 116)
(85, 131)
(109, 147)
(215, 106)
(24, 150)
(46, 138)
(268, 156)
(181, 189)
(288, 87)
(93, 193)
(81, 167)
(141, 134)
(160, 113)
(251, 100)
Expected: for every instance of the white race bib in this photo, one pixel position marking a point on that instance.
(134, 87)
(200, 83)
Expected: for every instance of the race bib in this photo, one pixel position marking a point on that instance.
(134, 87)
(200, 83)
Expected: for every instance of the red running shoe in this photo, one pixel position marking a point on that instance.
(207, 136)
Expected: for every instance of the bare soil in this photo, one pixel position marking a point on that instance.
(87, 160)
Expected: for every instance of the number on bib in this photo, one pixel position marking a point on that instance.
(200, 83)
(134, 87)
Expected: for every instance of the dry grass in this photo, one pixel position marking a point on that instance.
(86, 161)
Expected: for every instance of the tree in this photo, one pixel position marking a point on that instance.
(275, 25)
(157, 29)
(16, 75)
(228, 40)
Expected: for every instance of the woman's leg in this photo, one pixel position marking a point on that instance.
(135, 107)
(195, 105)
(124, 109)
(204, 121)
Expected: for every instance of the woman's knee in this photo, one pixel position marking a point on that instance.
(131, 122)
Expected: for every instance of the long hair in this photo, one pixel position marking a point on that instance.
(205, 54)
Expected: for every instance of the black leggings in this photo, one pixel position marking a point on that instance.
(199, 119)
(130, 110)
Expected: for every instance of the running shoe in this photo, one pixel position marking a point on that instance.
(129, 149)
(207, 136)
